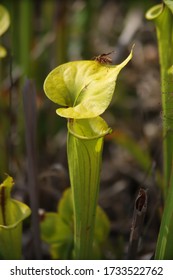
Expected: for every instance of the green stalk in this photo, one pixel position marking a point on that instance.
(164, 248)
(163, 20)
(84, 149)
(84, 158)
(25, 35)
(163, 17)
(164, 34)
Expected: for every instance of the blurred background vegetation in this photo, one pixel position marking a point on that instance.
(44, 34)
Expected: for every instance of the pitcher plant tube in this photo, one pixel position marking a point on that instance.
(84, 89)
(162, 16)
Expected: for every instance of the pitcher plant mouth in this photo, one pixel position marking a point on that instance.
(155, 11)
(88, 129)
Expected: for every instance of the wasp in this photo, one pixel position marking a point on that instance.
(104, 58)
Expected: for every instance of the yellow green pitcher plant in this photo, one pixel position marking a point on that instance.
(84, 90)
(162, 16)
(12, 214)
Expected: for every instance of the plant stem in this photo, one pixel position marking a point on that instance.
(84, 157)
(164, 35)
(163, 17)
(25, 35)
(164, 248)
